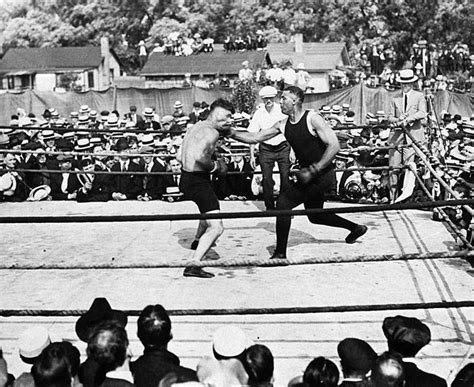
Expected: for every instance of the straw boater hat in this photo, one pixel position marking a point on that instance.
(83, 144)
(406, 76)
(7, 182)
(39, 193)
(173, 192)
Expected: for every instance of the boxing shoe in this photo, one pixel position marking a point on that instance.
(277, 255)
(356, 233)
(194, 271)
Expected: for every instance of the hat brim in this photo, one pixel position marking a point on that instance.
(410, 80)
(39, 193)
(87, 322)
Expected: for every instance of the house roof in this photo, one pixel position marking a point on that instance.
(211, 63)
(316, 57)
(50, 59)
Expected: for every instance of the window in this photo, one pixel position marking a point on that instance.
(90, 79)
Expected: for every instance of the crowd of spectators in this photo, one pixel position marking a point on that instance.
(83, 157)
(178, 44)
(438, 68)
(236, 359)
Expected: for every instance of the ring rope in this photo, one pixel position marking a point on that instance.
(446, 218)
(77, 171)
(230, 215)
(419, 152)
(246, 262)
(150, 131)
(254, 311)
(131, 155)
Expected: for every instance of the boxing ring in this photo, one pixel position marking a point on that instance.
(58, 256)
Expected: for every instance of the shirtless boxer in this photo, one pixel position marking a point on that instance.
(197, 150)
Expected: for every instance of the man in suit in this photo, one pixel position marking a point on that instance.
(149, 123)
(126, 186)
(154, 332)
(64, 185)
(95, 187)
(239, 186)
(153, 185)
(137, 119)
(406, 336)
(408, 114)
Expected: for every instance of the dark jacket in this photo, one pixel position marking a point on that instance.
(129, 185)
(101, 190)
(112, 382)
(73, 185)
(154, 365)
(240, 184)
(155, 185)
(415, 377)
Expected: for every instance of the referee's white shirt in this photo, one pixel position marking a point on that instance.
(262, 119)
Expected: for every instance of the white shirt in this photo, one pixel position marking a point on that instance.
(289, 76)
(262, 119)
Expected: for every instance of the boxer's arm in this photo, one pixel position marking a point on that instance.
(329, 138)
(254, 138)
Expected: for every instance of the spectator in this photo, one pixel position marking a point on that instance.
(172, 182)
(320, 372)
(194, 115)
(91, 374)
(108, 347)
(239, 185)
(225, 369)
(260, 41)
(357, 359)
(258, 363)
(245, 73)
(95, 187)
(178, 110)
(465, 377)
(57, 366)
(153, 185)
(406, 336)
(126, 186)
(132, 116)
(388, 371)
(154, 332)
(289, 74)
(64, 185)
(303, 78)
(142, 54)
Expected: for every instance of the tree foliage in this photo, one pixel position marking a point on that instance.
(396, 25)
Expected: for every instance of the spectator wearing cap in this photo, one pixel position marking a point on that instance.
(31, 344)
(64, 185)
(155, 332)
(408, 112)
(406, 336)
(388, 371)
(132, 115)
(275, 150)
(149, 122)
(229, 344)
(357, 359)
(126, 186)
(178, 111)
(204, 111)
(303, 78)
(153, 185)
(194, 115)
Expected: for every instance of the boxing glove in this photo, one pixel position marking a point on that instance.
(220, 167)
(304, 176)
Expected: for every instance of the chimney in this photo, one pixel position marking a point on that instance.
(298, 38)
(105, 53)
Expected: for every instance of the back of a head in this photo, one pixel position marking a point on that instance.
(222, 103)
(259, 364)
(154, 327)
(357, 357)
(388, 371)
(465, 377)
(321, 372)
(53, 368)
(108, 345)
